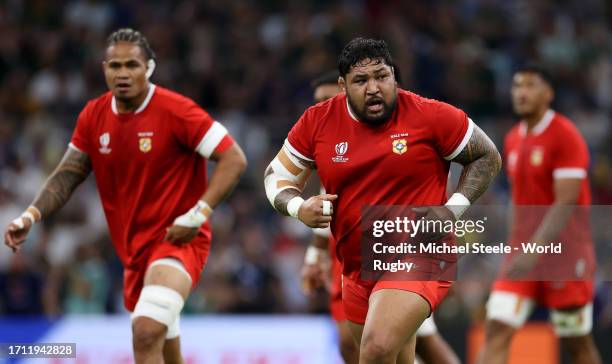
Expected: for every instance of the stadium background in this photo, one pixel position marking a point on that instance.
(249, 63)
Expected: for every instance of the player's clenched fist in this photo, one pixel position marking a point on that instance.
(315, 272)
(186, 226)
(316, 211)
(17, 231)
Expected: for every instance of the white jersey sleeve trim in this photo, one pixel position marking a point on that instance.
(72, 146)
(569, 173)
(295, 152)
(211, 139)
(466, 139)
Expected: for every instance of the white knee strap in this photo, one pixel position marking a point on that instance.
(427, 328)
(509, 308)
(161, 304)
(577, 322)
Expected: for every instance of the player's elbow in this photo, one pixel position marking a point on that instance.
(236, 159)
(497, 161)
(241, 162)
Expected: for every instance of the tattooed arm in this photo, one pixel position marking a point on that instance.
(481, 163)
(71, 172)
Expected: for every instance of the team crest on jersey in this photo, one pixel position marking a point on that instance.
(341, 149)
(145, 144)
(537, 156)
(399, 146)
(104, 143)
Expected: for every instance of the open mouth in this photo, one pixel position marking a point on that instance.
(375, 105)
(122, 87)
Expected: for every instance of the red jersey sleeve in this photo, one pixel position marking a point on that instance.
(198, 131)
(452, 130)
(571, 157)
(300, 140)
(81, 135)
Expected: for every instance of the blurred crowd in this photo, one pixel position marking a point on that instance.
(249, 63)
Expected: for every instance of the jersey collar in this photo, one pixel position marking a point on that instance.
(142, 106)
(540, 126)
(350, 111)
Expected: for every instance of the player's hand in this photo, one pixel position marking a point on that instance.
(312, 212)
(521, 265)
(316, 275)
(180, 235)
(16, 233)
(434, 213)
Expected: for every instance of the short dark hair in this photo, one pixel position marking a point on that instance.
(131, 36)
(539, 70)
(360, 49)
(328, 78)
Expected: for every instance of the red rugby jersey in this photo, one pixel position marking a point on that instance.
(402, 162)
(147, 166)
(553, 149)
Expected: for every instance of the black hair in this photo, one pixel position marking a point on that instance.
(360, 49)
(397, 74)
(131, 36)
(328, 78)
(538, 70)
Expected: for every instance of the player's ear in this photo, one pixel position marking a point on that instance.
(150, 68)
(342, 83)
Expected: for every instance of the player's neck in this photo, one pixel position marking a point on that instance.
(533, 119)
(128, 106)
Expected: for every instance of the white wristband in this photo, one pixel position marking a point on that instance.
(457, 203)
(294, 206)
(312, 255)
(196, 216)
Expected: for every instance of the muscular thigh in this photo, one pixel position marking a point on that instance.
(168, 276)
(395, 314)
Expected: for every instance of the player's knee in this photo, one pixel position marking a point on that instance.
(506, 312)
(146, 333)
(576, 322)
(375, 348)
(162, 305)
(498, 333)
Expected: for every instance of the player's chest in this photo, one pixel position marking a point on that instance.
(529, 157)
(132, 143)
(351, 154)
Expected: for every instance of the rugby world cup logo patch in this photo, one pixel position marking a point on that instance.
(399, 146)
(104, 142)
(341, 149)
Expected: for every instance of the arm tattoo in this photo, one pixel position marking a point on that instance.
(481, 163)
(282, 199)
(72, 170)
